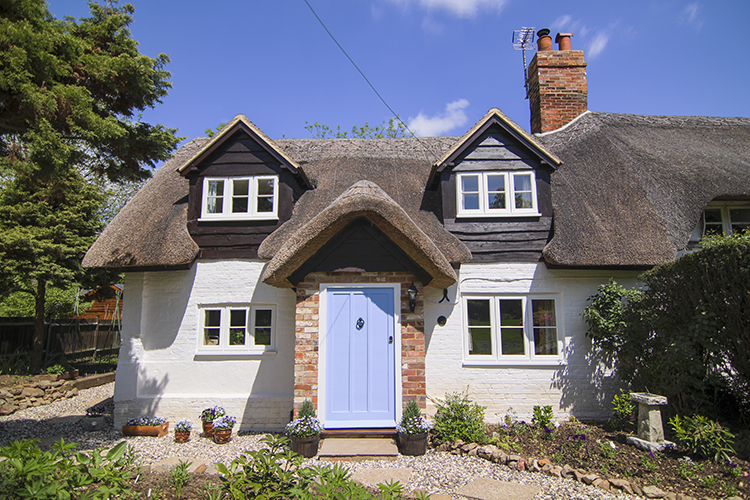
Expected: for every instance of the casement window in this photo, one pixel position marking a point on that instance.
(236, 329)
(496, 194)
(722, 218)
(240, 198)
(512, 329)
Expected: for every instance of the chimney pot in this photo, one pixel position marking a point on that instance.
(544, 41)
(563, 40)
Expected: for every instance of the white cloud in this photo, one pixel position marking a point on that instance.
(453, 117)
(460, 8)
(598, 44)
(690, 16)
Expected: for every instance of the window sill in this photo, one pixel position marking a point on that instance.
(478, 215)
(233, 219)
(225, 355)
(521, 363)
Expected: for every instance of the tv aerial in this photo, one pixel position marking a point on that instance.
(523, 40)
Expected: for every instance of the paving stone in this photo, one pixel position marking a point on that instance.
(440, 497)
(372, 477)
(490, 489)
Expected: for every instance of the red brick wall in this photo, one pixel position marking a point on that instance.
(558, 89)
(306, 334)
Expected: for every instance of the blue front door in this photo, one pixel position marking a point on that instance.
(360, 348)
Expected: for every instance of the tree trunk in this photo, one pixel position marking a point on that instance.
(37, 341)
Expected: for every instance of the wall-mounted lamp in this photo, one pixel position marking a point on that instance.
(412, 292)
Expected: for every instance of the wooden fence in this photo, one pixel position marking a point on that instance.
(74, 338)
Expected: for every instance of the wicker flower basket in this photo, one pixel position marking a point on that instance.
(182, 436)
(222, 436)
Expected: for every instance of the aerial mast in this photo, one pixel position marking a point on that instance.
(523, 40)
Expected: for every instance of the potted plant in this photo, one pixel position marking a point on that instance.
(208, 416)
(304, 431)
(94, 420)
(182, 431)
(412, 431)
(223, 429)
(146, 426)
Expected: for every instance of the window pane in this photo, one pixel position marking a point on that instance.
(469, 183)
(480, 341)
(262, 336)
(495, 183)
(215, 188)
(262, 317)
(496, 200)
(240, 187)
(265, 205)
(713, 215)
(213, 205)
(239, 205)
(545, 341)
(512, 340)
(265, 186)
(543, 312)
(210, 336)
(511, 312)
(471, 202)
(522, 182)
(236, 336)
(238, 317)
(212, 323)
(740, 219)
(478, 312)
(213, 317)
(523, 200)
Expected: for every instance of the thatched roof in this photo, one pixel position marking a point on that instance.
(632, 187)
(151, 230)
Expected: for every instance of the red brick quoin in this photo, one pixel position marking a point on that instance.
(306, 334)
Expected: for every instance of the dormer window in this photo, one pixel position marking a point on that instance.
(722, 218)
(497, 194)
(240, 198)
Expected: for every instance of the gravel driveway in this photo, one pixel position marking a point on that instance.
(434, 472)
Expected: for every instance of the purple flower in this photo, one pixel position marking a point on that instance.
(651, 454)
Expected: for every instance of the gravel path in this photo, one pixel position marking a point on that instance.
(434, 472)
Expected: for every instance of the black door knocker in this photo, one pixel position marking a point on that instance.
(360, 323)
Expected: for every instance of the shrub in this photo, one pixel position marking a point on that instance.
(306, 410)
(702, 436)
(458, 418)
(412, 421)
(542, 416)
(623, 410)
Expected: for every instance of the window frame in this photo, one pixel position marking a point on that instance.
(529, 357)
(699, 232)
(224, 346)
(252, 196)
(510, 209)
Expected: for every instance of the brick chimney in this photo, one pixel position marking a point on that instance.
(558, 91)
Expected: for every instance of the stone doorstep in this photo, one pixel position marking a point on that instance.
(358, 449)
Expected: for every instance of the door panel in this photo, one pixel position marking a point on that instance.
(360, 348)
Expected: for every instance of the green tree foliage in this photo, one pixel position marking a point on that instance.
(686, 334)
(70, 96)
(392, 129)
(59, 303)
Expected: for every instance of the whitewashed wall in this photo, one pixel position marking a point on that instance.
(579, 387)
(159, 372)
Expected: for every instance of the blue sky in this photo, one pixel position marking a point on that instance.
(440, 64)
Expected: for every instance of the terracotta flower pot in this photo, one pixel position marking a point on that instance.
(412, 444)
(146, 430)
(181, 436)
(305, 446)
(208, 429)
(222, 436)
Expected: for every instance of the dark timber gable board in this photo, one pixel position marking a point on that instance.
(360, 247)
(238, 155)
(503, 239)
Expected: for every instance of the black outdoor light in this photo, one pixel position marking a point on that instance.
(412, 291)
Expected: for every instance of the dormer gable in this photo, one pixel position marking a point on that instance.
(494, 184)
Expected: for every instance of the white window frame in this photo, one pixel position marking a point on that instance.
(529, 357)
(484, 210)
(224, 347)
(726, 221)
(252, 213)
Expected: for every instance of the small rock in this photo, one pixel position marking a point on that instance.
(601, 484)
(200, 469)
(589, 478)
(535, 466)
(547, 467)
(544, 462)
(8, 408)
(651, 491)
(5, 394)
(16, 390)
(619, 483)
(458, 443)
(43, 384)
(32, 392)
(521, 465)
(578, 475)
(469, 447)
(56, 383)
(473, 452)
(441, 497)
(636, 489)
(556, 471)
(671, 496)
(498, 456)
(680, 496)
(567, 471)
(443, 447)
(514, 458)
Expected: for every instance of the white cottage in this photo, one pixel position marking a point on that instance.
(363, 273)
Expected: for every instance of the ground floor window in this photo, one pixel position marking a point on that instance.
(236, 328)
(512, 328)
